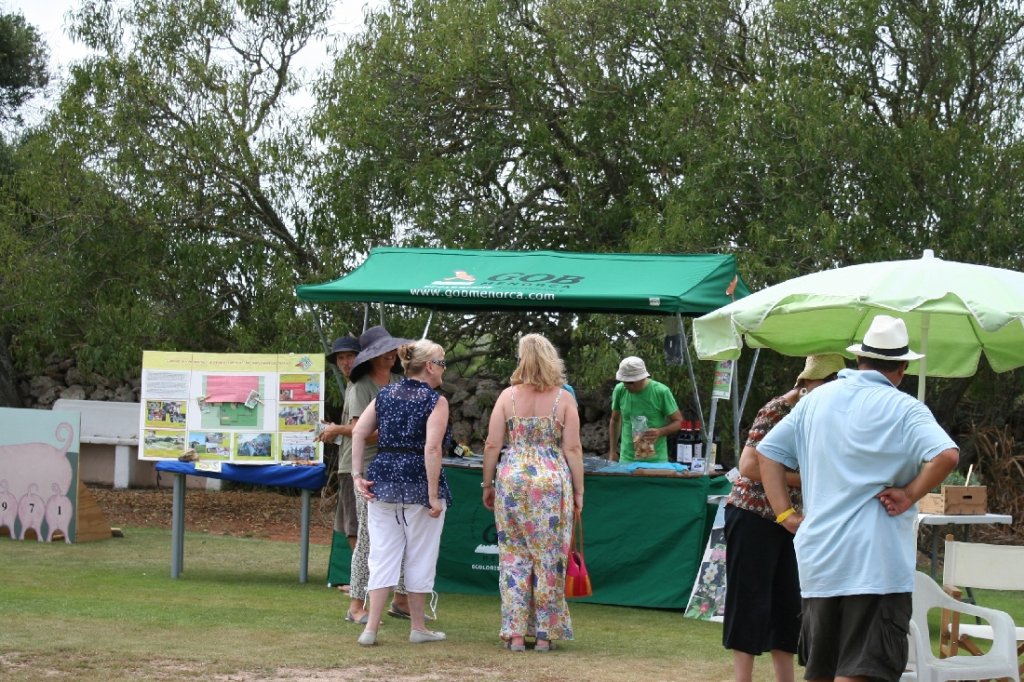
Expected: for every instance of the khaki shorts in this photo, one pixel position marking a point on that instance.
(345, 520)
(855, 636)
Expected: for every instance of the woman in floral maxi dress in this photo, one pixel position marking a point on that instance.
(533, 492)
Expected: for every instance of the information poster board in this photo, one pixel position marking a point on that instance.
(237, 408)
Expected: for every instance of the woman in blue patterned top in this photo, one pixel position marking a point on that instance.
(405, 485)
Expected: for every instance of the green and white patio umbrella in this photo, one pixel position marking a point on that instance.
(954, 313)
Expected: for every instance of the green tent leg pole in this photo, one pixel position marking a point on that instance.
(685, 342)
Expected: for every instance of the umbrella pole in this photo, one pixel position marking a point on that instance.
(923, 367)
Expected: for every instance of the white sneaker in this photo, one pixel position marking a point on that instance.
(424, 636)
(368, 638)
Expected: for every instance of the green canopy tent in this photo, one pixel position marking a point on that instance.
(450, 279)
(679, 285)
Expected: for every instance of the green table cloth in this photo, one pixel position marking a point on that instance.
(643, 538)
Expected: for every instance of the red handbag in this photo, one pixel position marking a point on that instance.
(577, 580)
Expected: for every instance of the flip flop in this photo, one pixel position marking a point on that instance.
(362, 621)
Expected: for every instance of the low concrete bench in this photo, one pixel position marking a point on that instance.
(110, 446)
(106, 424)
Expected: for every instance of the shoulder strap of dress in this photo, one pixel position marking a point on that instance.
(554, 407)
(512, 394)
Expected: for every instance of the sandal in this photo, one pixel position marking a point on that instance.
(544, 648)
(515, 647)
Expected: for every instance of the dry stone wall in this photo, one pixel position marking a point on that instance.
(470, 399)
(62, 379)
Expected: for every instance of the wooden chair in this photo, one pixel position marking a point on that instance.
(999, 662)
(969, 565)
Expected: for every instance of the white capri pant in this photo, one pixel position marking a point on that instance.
(403, 533)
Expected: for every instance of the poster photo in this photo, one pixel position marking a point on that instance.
(298, 417)
(253, 448)
(298, 447)
(166, 414)
(163, 444)
(295, 387)
(229, 407)
(214, 445)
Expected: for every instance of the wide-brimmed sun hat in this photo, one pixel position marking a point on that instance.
(374, 342)
(886, 339)
(631, 369)
(818, 367)
(342, 344)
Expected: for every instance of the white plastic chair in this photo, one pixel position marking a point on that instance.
(999, 662)
(975, 565)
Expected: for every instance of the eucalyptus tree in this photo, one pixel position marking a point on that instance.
(190, 112)
(863, 131)
(797, 134)
(23, 57)
(23, 73)
(514, 124)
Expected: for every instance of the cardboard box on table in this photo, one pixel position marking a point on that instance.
(956, 500)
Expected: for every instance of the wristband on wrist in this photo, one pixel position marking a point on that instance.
(485, 484)
(785, 515)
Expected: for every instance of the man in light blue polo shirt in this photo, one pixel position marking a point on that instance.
(866, 453)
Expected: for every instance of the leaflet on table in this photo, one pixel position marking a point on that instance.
(238, 408)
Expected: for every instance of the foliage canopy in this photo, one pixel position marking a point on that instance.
(800, 135)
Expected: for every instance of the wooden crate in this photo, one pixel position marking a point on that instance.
(956, 499)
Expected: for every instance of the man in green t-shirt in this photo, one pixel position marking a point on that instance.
(644, 413)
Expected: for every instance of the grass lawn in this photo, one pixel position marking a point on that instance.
(109, 611)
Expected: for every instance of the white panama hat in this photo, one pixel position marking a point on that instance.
(886, 339)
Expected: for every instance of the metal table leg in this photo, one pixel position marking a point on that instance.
(304, 537)
(178, 526)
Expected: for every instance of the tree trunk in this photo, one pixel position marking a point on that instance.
(9, 394)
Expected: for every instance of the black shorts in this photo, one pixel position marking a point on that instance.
(855, 636)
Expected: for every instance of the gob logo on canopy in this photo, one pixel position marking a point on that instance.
(461, 278)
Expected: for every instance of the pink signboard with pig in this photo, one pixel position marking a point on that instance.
(38, 474)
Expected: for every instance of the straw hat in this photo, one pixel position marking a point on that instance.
(817, 367)
(886, 339)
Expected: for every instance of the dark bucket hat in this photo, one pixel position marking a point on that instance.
(342, 344)
(374, 342)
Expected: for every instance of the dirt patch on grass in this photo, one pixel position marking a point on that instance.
(238, 513)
